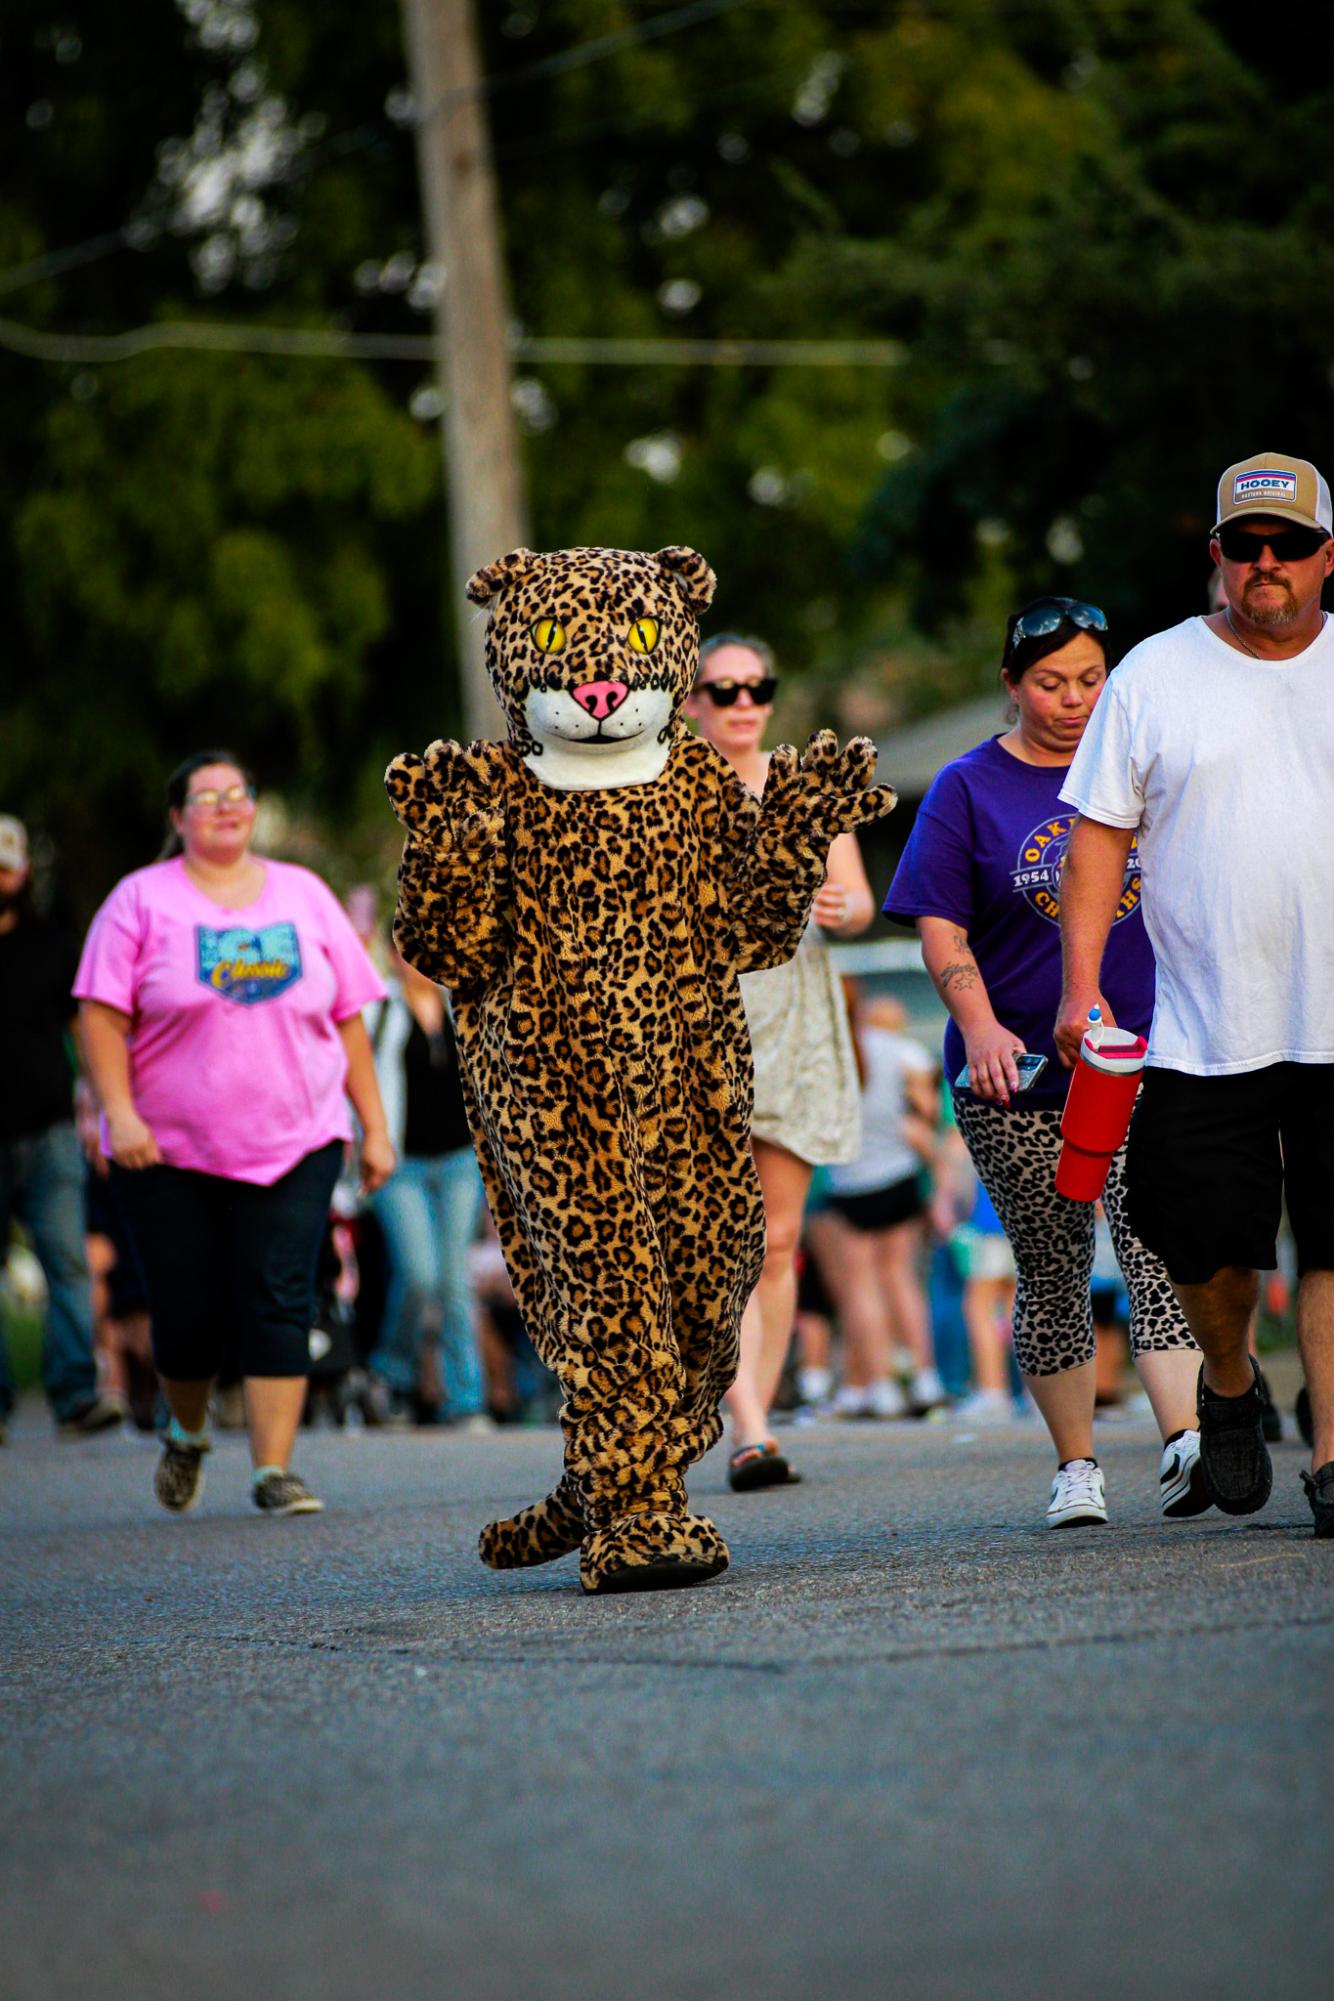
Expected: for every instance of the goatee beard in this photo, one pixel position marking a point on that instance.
(1273, 614)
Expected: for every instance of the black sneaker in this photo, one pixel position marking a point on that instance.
(1236, 1461)
(284, 1494)
(1271, 1417)
(1320, 1493)
(1303, 1416)
(178, 1480)
(381, 1406)
(94, 1414)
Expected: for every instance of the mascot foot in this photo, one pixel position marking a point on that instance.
(651, 1552)
(550, 1528)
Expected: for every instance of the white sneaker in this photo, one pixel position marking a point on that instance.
(984, 1407)
(1181, 1484)
(926, 1392)
(1077, 1495)
(885, 1399)
(815, 1385)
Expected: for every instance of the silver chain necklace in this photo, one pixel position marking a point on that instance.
(1227, 616)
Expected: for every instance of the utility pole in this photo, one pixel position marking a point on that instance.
(483, 474)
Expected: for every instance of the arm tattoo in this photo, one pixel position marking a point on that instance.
(962, 973)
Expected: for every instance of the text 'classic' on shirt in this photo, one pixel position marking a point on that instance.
(236, 1064)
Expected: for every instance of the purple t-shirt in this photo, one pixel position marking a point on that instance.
(986, 852)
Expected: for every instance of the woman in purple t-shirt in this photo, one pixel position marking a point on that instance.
(221, 1019)
(981, 880)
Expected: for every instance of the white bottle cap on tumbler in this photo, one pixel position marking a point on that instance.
(1114, 1050)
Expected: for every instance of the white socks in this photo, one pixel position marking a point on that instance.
(815, 1384)
(178, 1435)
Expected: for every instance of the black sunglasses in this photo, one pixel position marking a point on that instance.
(1043, 619)
(1286, 545)
(723, 693)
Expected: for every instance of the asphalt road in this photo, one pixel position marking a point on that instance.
(913, 1744)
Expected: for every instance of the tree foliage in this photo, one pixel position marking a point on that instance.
(1089, 231)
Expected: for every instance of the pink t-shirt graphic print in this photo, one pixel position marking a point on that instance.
(248, 966)
(236, 1063)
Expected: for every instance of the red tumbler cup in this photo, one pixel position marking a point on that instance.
(1097, 1111)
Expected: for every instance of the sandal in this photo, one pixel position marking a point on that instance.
(763, 1465)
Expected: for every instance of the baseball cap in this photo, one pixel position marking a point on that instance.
(1272, 483)
(13, 842)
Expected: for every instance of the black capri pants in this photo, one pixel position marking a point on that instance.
(229, 1266)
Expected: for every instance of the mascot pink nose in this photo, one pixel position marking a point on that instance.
(600, 698)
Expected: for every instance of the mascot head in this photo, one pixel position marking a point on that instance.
(591, 653)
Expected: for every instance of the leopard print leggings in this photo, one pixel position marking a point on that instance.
(1015, 1154)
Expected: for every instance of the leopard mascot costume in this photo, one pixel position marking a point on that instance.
(589, 892)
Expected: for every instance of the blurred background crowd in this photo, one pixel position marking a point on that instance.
(416, 1323)
(900, 312)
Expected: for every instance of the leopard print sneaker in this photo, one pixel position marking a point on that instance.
(284, 1494)
(178, 1480)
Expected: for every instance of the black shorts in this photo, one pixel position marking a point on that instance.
(881, 1208)
(1210, 1159)
(228, 1265)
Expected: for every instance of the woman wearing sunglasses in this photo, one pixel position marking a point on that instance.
(981, 880)
(807, 1102)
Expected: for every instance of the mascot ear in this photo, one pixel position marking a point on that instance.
(498, 576)
(696, 579)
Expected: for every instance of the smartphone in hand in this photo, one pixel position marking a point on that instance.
(1029, 1066)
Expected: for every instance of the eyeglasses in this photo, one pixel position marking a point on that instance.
(723, 693)
(1285, 545)
(1041, 620)
(209, 797)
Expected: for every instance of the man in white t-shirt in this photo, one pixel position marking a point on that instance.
(1214, 742)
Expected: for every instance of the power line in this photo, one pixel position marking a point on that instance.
(52, 263)
(321, 344)
(587, 52)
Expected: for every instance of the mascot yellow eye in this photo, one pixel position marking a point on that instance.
(644, 635)
(547, 636)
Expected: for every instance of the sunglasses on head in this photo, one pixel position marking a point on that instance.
(1285, 545)
(723, 693)
(1041, 620)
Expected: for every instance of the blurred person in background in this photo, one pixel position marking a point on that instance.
(963, 1215)
(813, 1325)
(362, 904)
(1111, 1319)
(806, 1087)
(122, 1332)
(981, 880)
(520, 1389)
(41, 1162)
(429, 1211)
(221, 1001)
(869, 1235)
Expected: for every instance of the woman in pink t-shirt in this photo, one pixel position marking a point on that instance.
(221, 1008)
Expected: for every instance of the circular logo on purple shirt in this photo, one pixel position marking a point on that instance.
(1037, 870)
